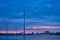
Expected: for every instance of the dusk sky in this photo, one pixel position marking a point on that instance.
(41, 15)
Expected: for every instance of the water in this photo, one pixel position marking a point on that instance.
(30, 37)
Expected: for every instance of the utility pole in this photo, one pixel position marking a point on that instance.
(16, 28)
(6, 28)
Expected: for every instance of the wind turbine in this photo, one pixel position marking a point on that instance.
(24, 24)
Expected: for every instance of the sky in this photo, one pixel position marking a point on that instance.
(41, 15)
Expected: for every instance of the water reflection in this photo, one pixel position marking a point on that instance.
(30, 37)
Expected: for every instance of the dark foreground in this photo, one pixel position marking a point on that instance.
(30, 37)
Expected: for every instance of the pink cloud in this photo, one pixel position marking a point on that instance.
(39, 27)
